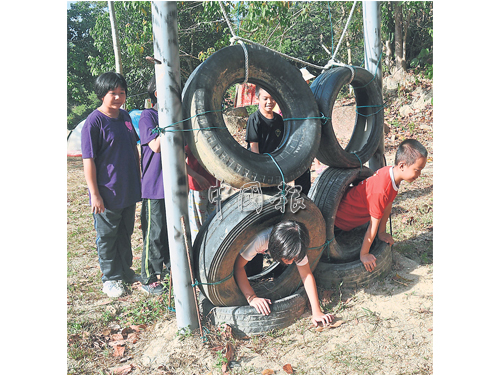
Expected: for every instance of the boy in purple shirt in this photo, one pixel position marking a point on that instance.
(111, 169)
(155, 251)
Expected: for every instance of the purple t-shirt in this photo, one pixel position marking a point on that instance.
(110, 142)
(152, 177)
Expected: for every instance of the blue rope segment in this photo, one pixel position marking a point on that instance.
(322, 118)
(196, 282)
(159, 130)
(382, 106)
(283, 191)
(360, 162)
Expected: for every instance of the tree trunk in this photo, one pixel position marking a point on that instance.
(114, 34)
(405, 35)
(398, 35)
(388, 54)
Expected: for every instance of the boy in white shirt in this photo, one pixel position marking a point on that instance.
(287, 242)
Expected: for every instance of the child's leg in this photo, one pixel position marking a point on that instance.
(124, 248)
(106, 225)
(196, 212)
(155, 243)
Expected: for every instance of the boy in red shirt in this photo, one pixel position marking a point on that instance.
(371, 200)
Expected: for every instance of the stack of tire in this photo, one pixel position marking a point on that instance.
(340, 264)
(224, 234)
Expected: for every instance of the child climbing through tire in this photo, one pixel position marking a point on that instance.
(286, 242)
(371, 200)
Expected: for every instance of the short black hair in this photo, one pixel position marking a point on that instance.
(409, 151)
(289, 240)
(257, 91)
(109, 81)
(152, 89)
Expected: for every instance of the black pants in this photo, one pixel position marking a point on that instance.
(155, 252)
(114, 231)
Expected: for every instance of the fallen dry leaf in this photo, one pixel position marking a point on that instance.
(138, 328)
(119, 351)
(338, 323)
(267, 372)
(117, 343)
(288, 368)
(401, 280)
(117, 337)
(229, 352)
(124, 370)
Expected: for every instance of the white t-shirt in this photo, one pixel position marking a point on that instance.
(259, 246)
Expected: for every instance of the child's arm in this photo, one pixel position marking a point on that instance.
(369, 260)
(260, 304)
(155, 145)
(89, 171)
(312, 293)
(382, 235)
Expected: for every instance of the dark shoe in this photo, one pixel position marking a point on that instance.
(156, 288)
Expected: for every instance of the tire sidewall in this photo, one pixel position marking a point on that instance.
(216, 148)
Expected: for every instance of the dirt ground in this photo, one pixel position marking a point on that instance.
(385, 328)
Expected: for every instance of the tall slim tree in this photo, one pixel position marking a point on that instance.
(116, 41)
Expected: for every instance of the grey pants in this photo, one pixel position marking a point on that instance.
(114, 231)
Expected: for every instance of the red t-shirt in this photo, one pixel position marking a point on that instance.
(367, 199)
(196, 166)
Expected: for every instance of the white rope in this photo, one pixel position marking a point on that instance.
(227, 19)
(240, 40)
(246, 60)
(245, 52)
(345, 29)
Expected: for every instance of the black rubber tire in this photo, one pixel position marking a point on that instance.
(364, 142)
(327, 192)
(353, 274)
(217, 150)
(219, 242)
(246, 321)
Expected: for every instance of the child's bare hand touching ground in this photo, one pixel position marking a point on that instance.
(324, 319)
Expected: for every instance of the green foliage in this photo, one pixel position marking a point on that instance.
(418, 15)
(81, 17)
(308, 30)
(424, 61)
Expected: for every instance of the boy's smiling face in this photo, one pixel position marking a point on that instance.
(266, 102)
